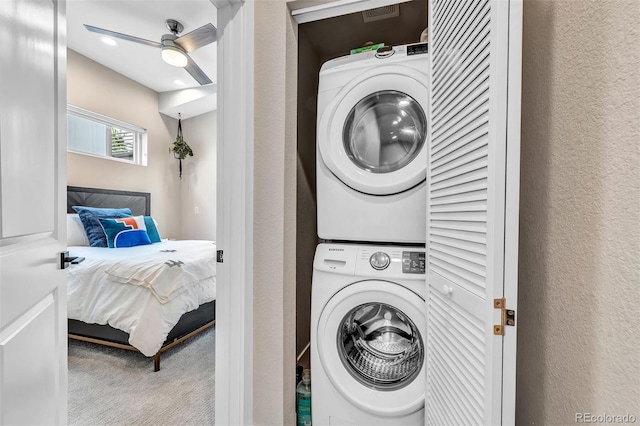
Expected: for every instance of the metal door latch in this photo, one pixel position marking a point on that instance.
(508, 316)
(219, 256)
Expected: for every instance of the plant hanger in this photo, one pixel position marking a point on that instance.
(180, 147)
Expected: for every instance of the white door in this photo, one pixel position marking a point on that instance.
(472, 218)
(33, 344)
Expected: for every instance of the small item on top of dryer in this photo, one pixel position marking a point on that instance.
(424, 36)
(367, 47)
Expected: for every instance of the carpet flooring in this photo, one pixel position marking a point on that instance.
(110, 386)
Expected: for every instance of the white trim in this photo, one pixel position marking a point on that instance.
(103, 119)
(234, 306)
(219, 4)
(512, 208)
(337, 8)
(139, 136)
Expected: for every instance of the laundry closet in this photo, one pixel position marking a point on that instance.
(319, 42)
(413, 316)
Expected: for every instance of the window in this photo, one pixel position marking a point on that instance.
(93, 134)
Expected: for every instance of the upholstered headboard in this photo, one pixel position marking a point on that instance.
(138, 202)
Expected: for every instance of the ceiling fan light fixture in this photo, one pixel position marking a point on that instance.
(173, 55)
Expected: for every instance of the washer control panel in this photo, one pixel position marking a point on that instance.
(371, 261)
(413, 262)
(379, 260)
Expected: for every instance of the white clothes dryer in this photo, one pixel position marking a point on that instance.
(371, 152)
(368, 335)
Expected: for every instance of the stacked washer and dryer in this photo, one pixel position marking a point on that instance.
(367, 302)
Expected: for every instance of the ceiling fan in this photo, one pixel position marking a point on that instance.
(174, 49)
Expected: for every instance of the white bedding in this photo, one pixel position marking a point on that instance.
(141, 290)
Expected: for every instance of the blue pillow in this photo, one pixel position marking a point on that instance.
(124, 232)
(89, 217)
(152, 230)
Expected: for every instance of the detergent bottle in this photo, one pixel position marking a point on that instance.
(303, 397)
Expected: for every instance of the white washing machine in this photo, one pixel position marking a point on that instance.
(372, 146)
(368, 335)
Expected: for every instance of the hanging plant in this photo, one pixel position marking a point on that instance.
(180, 147)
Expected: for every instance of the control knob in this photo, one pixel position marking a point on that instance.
(379, 260)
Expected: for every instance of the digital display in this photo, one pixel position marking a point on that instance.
(413, 262)
(417, 49)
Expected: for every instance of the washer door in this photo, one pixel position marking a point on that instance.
(370, 342)
(373, 135)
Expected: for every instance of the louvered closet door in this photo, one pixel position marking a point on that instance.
(472, 218)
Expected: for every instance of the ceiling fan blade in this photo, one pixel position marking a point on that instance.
(197, 73)
(197, 38)
(122, 36)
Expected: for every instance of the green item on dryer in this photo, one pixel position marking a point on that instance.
(367, 48)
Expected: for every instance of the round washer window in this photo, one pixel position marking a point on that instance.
(380, 346)
(384, 131)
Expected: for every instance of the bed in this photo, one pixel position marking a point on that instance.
(146, 298)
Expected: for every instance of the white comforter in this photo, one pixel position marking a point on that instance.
(141, 290)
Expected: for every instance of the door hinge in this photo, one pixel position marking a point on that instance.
(220, 256)
(508, 316)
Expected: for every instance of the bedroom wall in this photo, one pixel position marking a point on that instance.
(96, 88)
(198, 185)
(578, 339)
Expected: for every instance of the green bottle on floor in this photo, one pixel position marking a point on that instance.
(303, 396)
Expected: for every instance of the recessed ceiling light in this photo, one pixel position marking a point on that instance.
(109, 41)
(179, 82)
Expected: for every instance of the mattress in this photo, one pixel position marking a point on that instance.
(142, 290)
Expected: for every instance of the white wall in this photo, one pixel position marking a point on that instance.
(99, 89)
(579, 284)
(198, 185)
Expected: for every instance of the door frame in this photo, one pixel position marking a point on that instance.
(234, 216)
(512, 205)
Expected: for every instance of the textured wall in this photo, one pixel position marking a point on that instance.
(579, 289)
(274, 233)
(198, 186)
(96, 88)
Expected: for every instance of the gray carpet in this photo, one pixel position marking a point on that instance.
(110, 386)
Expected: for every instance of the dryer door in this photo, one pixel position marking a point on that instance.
(370, 342)
(372, 136)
